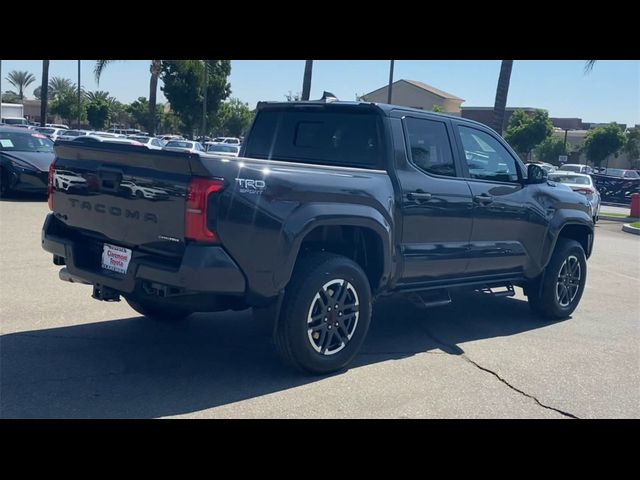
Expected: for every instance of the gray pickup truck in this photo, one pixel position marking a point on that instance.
(329, 206)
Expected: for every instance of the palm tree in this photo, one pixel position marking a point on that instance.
(97, 95)
(21, 80)
(306, 81)
(44, 93)
(501, 95)
(503, 90)
(59, 86)
(588, 66)
(155, 69)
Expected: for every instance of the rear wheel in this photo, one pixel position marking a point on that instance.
(557, 292)
(326, 314)
(158, 312)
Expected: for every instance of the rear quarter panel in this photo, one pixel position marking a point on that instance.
(268, 207)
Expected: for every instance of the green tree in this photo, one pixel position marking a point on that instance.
(437, 109)
(632, 146)
(602, 142)
(183, 88)
(502, 90)
(119, 113)
(98, 113)
(139, 111)
(20, 79)
(58, 86)
(550, 149)
(526, 131)
(170, 123)
(97, 95)
(155, 68)
(11, 97)
(234, 118)
(66, 105)
(37, 93)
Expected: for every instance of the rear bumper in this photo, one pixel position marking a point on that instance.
(202, 270)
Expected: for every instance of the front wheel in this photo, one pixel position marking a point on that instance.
(325, 315)
(158, 312)
(557, 292)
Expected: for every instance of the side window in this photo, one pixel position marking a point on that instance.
(486, 157)
(429, 146)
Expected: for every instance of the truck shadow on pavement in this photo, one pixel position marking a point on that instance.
(137, 368)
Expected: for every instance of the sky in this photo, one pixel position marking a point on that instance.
(611, 92)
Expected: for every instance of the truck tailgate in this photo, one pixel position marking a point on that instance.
(125, 194)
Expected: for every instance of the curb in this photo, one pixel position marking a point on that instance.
(604, 216)
(629, 229)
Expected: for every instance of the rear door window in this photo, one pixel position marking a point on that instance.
(340, 137)
(430, 149)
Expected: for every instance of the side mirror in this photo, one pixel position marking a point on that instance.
(536, 174)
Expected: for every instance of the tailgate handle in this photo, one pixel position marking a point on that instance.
(109, 180)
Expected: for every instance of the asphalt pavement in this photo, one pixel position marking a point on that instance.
(65, 355)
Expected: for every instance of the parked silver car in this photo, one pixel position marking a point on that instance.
(581, 183)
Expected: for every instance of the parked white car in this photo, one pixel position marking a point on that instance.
(228, 140)
(50, 132)
(69, 135)
(184, 146)
(152, 143)
(581, 183)
(66, 180)
(223, 149)
(575, 167)
(143, 192)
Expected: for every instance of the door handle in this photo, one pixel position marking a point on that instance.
(483, 199)
(419, 196)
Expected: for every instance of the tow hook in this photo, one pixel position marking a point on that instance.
(106, 294)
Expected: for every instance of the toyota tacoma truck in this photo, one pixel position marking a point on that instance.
(329, 206)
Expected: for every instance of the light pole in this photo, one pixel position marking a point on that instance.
(390, 81)
(78, 94)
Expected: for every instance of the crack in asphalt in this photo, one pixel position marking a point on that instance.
(561, 412)
(456, 350)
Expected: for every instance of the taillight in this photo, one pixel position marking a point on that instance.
(52, 170)
(584, 191)
(195, 221)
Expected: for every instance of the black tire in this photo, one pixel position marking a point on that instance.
(315, 273)
(550, 296)
(4, 183)
(139, 194)
(158, 312)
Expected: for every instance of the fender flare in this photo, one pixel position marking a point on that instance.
(310, 216)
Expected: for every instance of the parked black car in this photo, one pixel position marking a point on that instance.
(328, 207)
(25, 157)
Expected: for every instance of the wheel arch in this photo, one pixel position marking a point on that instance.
(358, 232)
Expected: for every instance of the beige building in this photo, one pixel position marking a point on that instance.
(411, 93)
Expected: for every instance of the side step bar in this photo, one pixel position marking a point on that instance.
(430, 298)
(507, 292)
